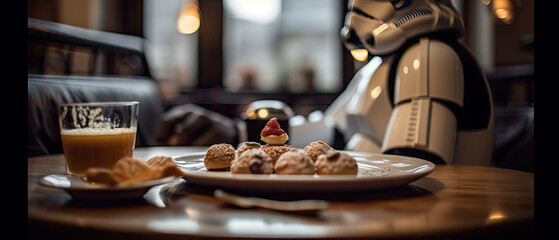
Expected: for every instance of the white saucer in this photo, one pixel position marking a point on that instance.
(78, 188)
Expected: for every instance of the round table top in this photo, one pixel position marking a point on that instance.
(452, 200)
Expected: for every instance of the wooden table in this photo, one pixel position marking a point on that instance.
(461, 202)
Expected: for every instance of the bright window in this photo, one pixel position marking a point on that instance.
(282, 45)
(173, 56)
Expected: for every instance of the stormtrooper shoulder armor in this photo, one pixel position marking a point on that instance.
(430, 69)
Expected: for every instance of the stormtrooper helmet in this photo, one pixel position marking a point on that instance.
(383, 26)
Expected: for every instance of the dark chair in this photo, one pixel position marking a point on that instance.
(70, 64)
(44, 92)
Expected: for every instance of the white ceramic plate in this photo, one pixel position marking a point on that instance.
(376, 171)
(78, 188)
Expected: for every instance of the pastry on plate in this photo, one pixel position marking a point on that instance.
(219, 156)
(125, 170)
(275, 151)
(335, 162)
(294, 162)
(165, 166)
(130, 170)
(273, 134)
(316, 148)
(246, 146)
(252, 161)
(275, 139)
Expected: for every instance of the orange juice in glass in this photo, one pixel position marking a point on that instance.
(97, 134)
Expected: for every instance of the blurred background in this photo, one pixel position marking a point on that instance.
(209, 59)
(224, 54)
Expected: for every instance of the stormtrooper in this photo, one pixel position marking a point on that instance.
(422, 94)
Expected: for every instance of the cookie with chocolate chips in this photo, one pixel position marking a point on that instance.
(252, 161)
(335, 162)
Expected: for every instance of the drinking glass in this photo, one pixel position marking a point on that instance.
(97, 134)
